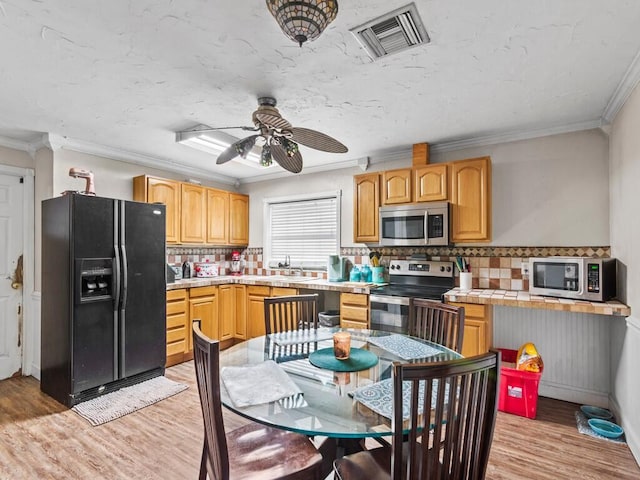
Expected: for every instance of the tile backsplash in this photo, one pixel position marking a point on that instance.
(491, 267)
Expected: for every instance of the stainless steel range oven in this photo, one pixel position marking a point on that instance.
(390, 305)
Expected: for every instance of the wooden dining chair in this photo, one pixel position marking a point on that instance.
(295, 312)
(252, 451)
(456, 401)
(437, 322)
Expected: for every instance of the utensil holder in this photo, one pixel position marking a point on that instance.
(465, 280)
(377, 274)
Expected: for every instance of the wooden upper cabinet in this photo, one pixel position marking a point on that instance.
(217, 216)
(471, 200)
(430, 183)
(396, 186)
(194, 220)
(238, 219)
(158, 190)
(366, 202)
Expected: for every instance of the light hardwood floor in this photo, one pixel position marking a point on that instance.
(41, 439)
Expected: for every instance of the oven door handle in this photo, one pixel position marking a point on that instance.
(390, 300)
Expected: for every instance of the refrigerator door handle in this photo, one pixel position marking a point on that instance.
(117, 274)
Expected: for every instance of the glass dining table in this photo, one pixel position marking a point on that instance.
(327, 402)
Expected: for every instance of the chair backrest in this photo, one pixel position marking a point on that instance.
(296, 312)
(206, 357)
(456, 402)
(437, 322)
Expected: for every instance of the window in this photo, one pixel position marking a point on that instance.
(306, 228)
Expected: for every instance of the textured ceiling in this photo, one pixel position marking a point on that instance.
(128, 74)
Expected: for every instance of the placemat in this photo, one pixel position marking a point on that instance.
(255, 384)
(306, 335)
(404, 347)
(359, 359)
(379, 397)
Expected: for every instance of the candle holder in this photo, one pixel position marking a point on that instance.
(342, 345)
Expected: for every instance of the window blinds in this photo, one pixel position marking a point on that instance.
(306, 230)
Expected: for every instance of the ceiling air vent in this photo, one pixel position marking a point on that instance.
(392, 33)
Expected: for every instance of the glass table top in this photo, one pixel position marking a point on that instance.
(325, 405)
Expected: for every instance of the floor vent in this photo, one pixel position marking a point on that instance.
(392, 33)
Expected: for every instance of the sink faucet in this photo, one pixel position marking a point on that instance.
(286, 264)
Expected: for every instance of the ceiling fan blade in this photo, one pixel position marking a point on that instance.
(237, 148)
(293, 164)
(317, 140)
(271, 120)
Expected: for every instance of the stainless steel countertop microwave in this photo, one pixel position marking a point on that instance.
(420, 224)
(582, 278)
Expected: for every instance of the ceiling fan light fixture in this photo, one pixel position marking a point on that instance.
(290, 147)
(244, 147)
(303, 20)
(265, 156)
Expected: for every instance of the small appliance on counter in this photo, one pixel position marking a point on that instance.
(205, 270)
(336, 268)
(237, 264)
(581, 278)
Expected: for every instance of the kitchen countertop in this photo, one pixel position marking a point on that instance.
(514, 298)
(292, 281)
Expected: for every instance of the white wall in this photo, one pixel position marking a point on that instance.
(625, 246)
(15, 158)
(548, 191)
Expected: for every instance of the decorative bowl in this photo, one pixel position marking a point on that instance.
(596, 412)
(605, 428)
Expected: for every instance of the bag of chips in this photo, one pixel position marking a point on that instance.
(528, 359)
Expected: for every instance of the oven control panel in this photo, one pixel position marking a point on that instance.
(421, 268)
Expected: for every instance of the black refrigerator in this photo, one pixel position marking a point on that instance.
(103, 318)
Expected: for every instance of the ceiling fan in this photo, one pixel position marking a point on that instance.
(279, 139)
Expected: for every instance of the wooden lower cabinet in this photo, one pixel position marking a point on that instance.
(203, 304)
(255, 306)
(233, 311)
(177, 341)
(478, 328)
(354, 310)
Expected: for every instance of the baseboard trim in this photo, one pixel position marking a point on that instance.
(574, 395)
(633, 440)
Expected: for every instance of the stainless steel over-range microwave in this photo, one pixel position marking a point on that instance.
(582, 278)
(415, 224)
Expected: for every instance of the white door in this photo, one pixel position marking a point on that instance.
(11, 228)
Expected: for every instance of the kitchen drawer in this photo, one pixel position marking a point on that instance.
(179, 294)
(175, 348)
(176, 321)
(259, 290)
(176, 307)
(283, 291)
(354, 299)
(203, 291)
(472, 310)
(357, 314)
(350, 324)
(176, 335)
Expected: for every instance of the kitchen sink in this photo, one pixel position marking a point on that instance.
(289, 278)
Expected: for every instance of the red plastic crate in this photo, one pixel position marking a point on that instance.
(518, 389)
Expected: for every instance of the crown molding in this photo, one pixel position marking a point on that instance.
(58, 141)
(624, 89)
(14, 144)
(514, 136)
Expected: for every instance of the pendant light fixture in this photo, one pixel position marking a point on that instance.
(303, 20)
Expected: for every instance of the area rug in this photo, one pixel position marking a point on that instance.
(127, 400)
(583, 427)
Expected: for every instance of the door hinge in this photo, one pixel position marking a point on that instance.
(19, 325)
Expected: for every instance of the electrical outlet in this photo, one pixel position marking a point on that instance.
(524, 268)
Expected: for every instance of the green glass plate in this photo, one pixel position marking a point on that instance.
(359, 359)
